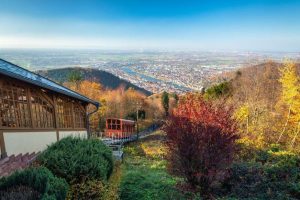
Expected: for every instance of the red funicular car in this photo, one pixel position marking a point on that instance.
(119, 128)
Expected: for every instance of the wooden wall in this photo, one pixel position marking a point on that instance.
(26, 107)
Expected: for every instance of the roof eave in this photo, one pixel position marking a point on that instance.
(85, 99)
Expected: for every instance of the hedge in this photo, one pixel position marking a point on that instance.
(39, 181)
(274, 174)
(77, 160)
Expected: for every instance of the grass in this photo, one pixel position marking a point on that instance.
(144, 173)
(112, 188)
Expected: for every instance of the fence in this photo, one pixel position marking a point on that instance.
(117, 142)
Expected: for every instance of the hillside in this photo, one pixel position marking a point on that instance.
(106, 79)
(257, 82)
(261, 96)
(251, 70)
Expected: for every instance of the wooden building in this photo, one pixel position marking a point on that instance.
(35, 111)
(119, 128)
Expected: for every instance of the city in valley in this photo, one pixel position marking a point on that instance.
(155, 71)
(150, 99)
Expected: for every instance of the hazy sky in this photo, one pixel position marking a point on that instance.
(151, 24)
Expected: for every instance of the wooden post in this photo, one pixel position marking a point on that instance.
(30, 108)
(121, 127)
(73, 115)
(87, 122)
(2, 145)
(57, 135)
(56, 117)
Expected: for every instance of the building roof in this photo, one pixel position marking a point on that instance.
(123, 120)
(17, 72)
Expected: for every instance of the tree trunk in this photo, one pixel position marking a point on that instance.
(285, 125)
(247, 125)
(296, 134)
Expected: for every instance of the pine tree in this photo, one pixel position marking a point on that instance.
(165, 102)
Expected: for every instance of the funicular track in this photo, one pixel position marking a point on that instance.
(117, 143)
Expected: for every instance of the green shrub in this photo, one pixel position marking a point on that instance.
(295, 190)
(20, 193)
(151, 184)
(271, 155)
(274, 178)
(78, 159)
(91, 189)
(264, 174)
(216, 91)
(40, 180)
(113, 185)
(283, 159)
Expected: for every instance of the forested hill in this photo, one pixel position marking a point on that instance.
(106, 79)
(268, 71)
(257, 85)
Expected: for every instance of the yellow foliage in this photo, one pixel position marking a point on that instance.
(118, 103)
(89, 189)
(242, 113)
(153, 150)
(290, 83)
(291, 90)
(258, 143)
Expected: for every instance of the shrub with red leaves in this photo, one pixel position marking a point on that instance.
(201, 143)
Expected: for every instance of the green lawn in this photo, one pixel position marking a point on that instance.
(144, 174)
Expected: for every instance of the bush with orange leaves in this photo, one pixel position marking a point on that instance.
(201, 143)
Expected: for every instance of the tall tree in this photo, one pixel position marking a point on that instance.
(290, 96)
(165, 102)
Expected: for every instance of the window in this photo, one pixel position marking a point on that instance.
(114, 124)
(64, 112)
(17, 110)
(14, 107)
(42, 110)
(80, 117)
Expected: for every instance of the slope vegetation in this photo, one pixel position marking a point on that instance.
(106, 79)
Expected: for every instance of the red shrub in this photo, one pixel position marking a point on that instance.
(201, 142)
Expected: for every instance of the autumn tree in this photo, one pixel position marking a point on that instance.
(201, 143)
(165, 102)
(254, 92)
(94, 91)
(118, 103)
(290, 97)
(154, 109)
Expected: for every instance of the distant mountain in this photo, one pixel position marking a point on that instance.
(106, 79)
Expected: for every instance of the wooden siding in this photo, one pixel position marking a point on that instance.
(28, 108)
(24, 106)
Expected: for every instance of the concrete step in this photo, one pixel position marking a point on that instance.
(13, 163)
